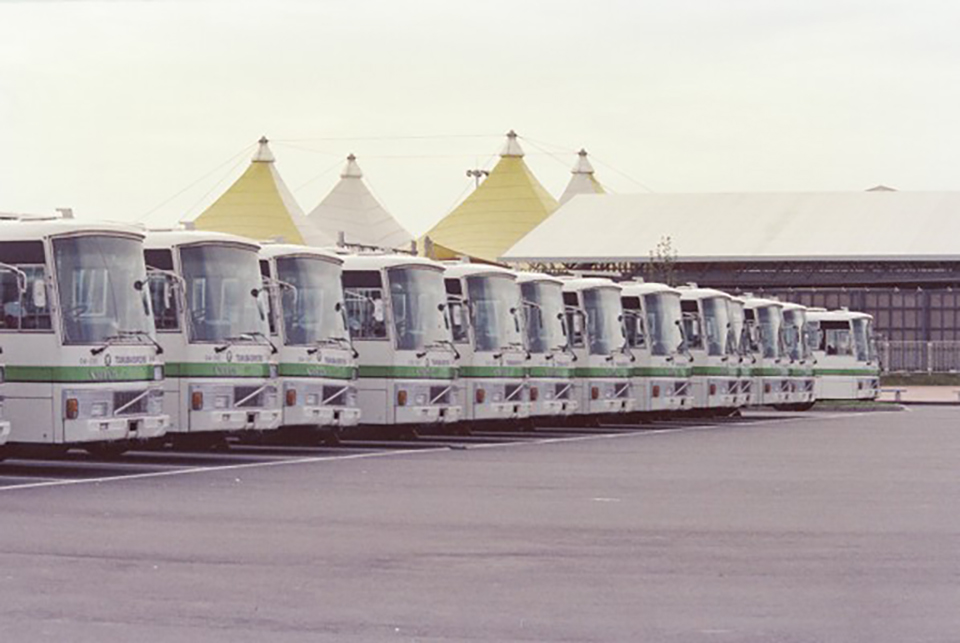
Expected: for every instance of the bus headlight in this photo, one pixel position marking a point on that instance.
(98, 409)
(420, 399)
(219, 402)
(313, 399)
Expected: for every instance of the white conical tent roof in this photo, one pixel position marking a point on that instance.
(352, 209)
(259, 206)
(582, 181)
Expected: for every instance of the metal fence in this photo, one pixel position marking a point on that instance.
(923, 357)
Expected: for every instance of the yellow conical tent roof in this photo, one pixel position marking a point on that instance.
(259, 206)
(502, 210)
(583, 181)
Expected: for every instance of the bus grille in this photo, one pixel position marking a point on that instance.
(241, 392)
(335, 395)
(440, 394)
(121, 398)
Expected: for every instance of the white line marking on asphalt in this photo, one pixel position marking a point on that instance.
(403, 452)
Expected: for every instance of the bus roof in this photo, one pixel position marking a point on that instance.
(36, 229)
(272, 250)
(171, 238)
(381, 261)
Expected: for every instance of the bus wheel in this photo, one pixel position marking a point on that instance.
(107, 450)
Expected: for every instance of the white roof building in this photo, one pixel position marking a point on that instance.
(758, 227)
(352, 209)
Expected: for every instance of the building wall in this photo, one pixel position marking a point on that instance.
(899, 314)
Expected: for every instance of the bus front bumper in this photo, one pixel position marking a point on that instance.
(140, 427)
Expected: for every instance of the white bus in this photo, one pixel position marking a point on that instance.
(398, 322)
(486, 317)
(770, 371)
(318, 366)
(796, 340)
(8, 274)
(595, 324)
(708, 337)
(210, 309)
(660, 375)
(847, 366)
(82, 364)
(550, 368)
(743, 388)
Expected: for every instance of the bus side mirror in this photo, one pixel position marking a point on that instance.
(39, 294)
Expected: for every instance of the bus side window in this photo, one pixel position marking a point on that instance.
(365, 314)
(163, 298)
(9, 301)
(33, 316)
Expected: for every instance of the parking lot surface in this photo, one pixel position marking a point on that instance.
(817, 527)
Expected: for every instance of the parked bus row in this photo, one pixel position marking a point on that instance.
(116, 336)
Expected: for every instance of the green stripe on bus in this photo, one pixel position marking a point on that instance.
(549, 371)
(416, 372)
(713, 370)
(492, 371)
(318, 370)
(599, 371)
(658, 371)
(768, 372)
(202, 369)
(845, 371)
(136, 373)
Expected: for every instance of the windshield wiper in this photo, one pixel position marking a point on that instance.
(122, 334)
(251, 336)
(333, 341)
(444, 342)
(510, 346)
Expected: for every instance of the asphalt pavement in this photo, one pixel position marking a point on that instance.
(820, 527)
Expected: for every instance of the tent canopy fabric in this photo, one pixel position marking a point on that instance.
(583, 180)
(873, 225)
(352, 209)
(260, 206)
(504, 208)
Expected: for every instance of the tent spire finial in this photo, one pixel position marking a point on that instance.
(582, 166)
(351, 170)
(263, 153)
(512, 148)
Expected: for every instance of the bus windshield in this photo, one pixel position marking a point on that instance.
(495, 310)
(311, 299)
(796, 334)
(738, 343)
(544, 315)
(861, 339)
(418, 299)
(716, 320)
(102, 285)
(223, 292)
(770, 320)
(604, 320)
(663, 318)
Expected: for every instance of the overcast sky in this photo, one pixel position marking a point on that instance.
(147, 110)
